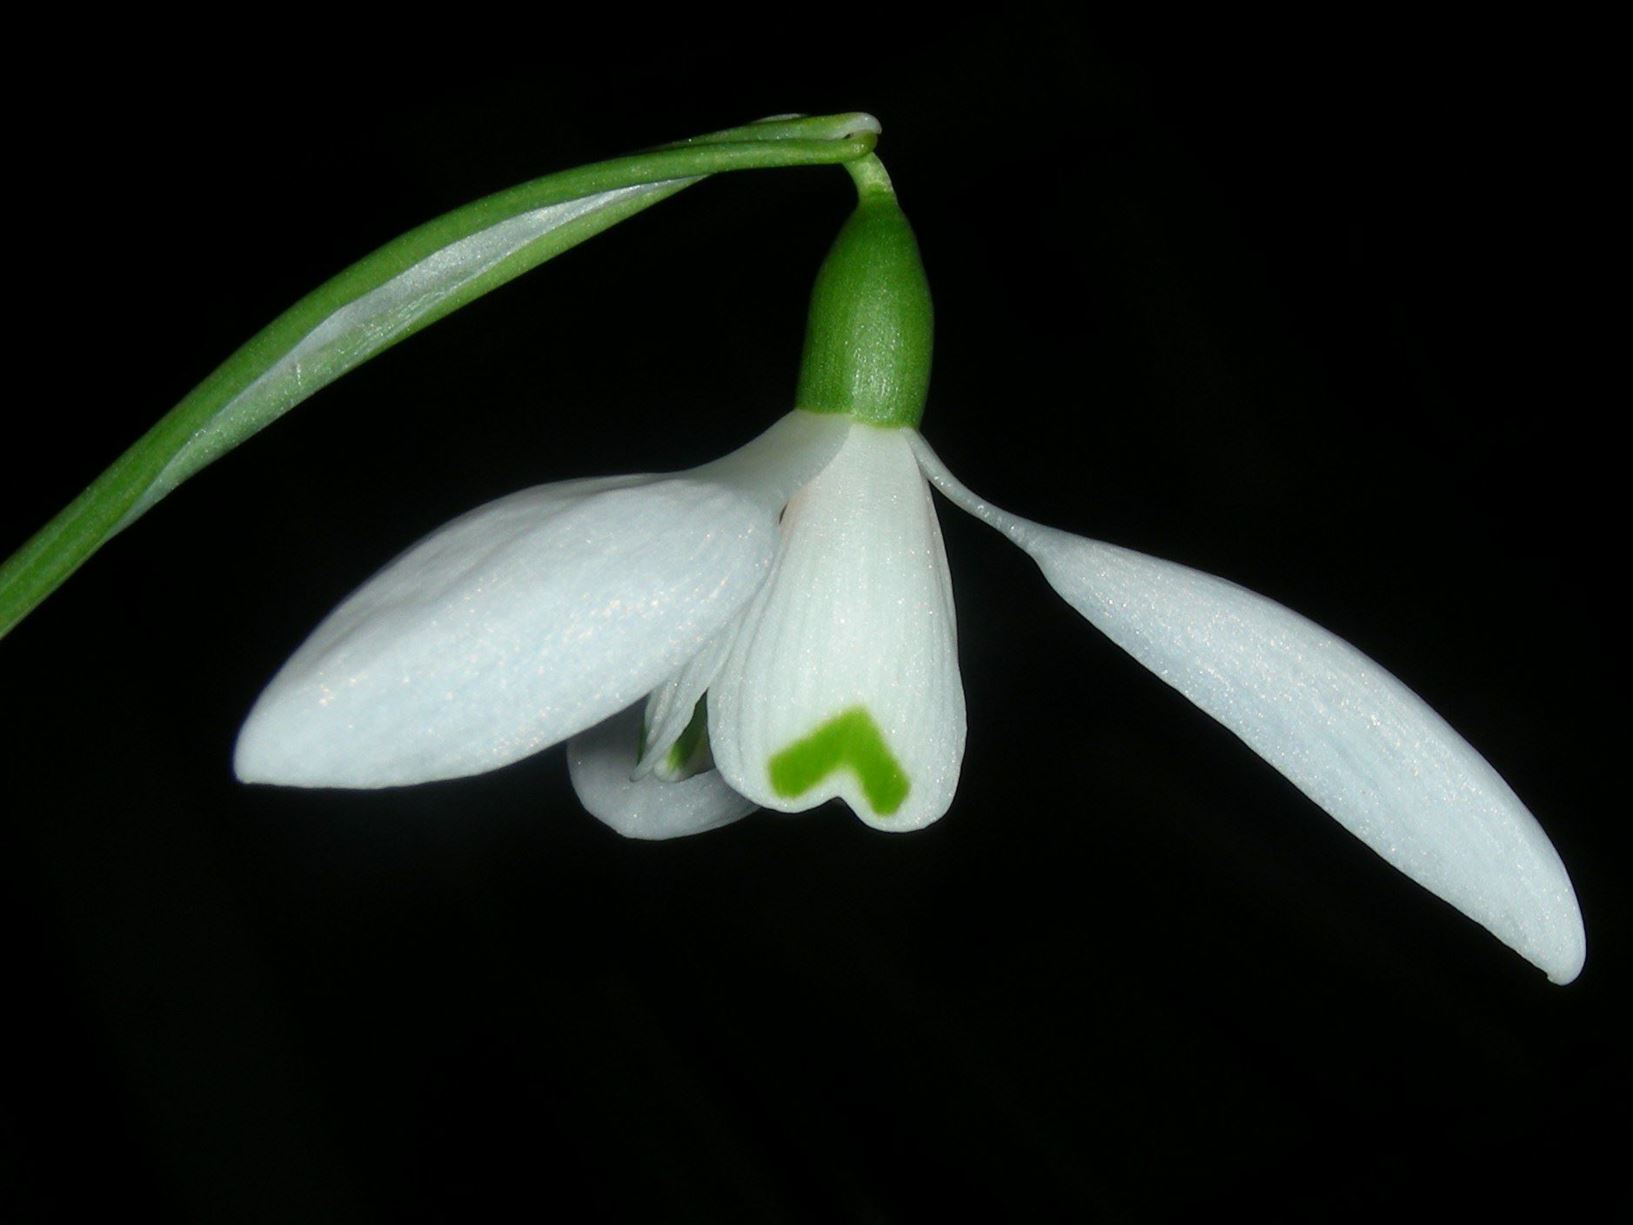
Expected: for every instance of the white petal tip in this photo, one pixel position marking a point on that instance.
(259, 758)
(1564, 965)
(648, 763)
(272, 749)
(891, 825)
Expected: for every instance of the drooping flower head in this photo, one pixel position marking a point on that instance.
(776, 629)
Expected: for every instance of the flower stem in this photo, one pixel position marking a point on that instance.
(871, 177)
(386, 297)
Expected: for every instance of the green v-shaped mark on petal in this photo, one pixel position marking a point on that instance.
(850, 740)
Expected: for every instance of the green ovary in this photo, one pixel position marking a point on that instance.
(850, 740)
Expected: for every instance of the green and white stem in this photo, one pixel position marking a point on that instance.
(383, 299)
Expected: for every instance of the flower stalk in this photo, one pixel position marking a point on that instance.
(385, 298)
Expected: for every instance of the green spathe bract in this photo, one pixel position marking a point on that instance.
(383, 299)
(868, 338)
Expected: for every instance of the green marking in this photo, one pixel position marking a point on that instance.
(680, 762)
(850, 740)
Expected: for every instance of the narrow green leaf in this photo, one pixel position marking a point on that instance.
(386, 297)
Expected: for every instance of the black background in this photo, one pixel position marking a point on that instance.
(1311, 308)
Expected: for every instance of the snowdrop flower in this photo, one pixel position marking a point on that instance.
(776, 629)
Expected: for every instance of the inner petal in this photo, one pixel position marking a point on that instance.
(842, 679)
(676, 705)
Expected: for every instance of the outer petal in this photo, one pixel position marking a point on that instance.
(843, 677)
(601, 761)
(1348, 734)
(526, 621)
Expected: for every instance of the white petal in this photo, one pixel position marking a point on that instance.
(768, 469)
(509, 630)
(600, 762)
(772, 466)
(528, 620)
(843, 677)
(1348, 734)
